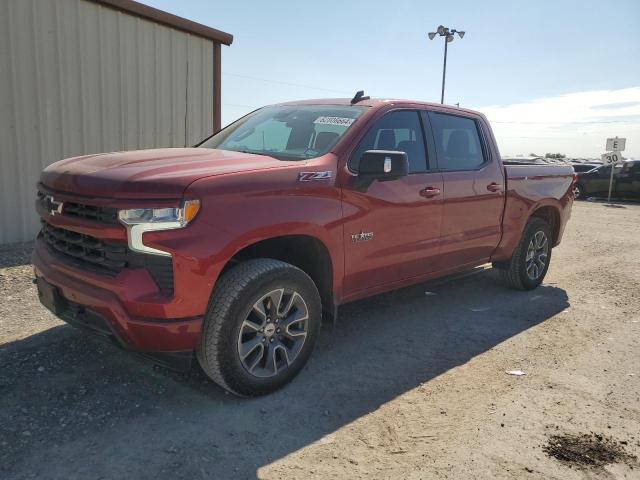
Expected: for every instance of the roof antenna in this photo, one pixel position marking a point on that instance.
(359, 96)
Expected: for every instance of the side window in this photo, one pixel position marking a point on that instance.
(400, 130)
(634, 170)
(457, 142)
(605, 172)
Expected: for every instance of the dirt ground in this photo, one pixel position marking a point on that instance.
(407, 385)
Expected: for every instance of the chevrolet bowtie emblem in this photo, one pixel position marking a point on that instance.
(361, 237)
(53, 206)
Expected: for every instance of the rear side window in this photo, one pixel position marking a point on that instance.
(457, 142)
(400, 131)
(605, 171)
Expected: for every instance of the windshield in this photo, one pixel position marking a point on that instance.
(287, 132)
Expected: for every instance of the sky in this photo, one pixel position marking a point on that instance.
(551, 76)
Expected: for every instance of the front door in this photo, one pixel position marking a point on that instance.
(473, 191)
(598, 181)
(392, 229)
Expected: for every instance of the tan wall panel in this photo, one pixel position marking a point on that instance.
(79, 78)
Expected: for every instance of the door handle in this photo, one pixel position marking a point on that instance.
(430, 192)
(494, 187)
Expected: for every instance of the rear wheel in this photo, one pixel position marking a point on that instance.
(260, 327)
(530, 261)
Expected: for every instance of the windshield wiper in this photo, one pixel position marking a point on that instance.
(258, 153)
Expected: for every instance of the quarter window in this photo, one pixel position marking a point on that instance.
(401, 131)
(457, 142)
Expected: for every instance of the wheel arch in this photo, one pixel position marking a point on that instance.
(551, 215)
(307, 252)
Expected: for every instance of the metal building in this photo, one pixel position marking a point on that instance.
(89, 76)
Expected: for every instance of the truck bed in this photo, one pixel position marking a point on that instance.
(532, 187)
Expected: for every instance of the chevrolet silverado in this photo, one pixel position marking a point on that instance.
(233, 251)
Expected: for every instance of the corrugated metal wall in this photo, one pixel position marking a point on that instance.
(77, 78)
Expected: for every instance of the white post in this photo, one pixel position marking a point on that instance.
(614, 160)
(610, 182)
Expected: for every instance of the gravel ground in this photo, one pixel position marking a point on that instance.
(407, 385)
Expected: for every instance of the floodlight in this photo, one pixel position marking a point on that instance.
(449, 35)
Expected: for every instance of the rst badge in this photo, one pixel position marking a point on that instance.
(311, 176)
(361, 237)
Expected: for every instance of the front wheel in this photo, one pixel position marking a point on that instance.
(260, 327)
(530, 261)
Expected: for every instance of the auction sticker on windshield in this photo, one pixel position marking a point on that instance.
(342, 121)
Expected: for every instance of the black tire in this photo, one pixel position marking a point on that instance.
(514, 272)
(578, 192)
(231, 303)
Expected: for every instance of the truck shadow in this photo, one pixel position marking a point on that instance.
(72, 407)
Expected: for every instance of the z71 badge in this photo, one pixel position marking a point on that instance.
(361, 237)
(310, 176)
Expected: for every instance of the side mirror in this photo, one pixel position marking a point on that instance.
(383, 165)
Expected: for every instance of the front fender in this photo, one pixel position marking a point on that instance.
(242, 210)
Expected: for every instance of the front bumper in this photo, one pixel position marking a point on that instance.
(92, 297)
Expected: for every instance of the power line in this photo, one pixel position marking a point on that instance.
(259, 79)
(239, 105)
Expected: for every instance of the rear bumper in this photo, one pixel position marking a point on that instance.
(94, 301)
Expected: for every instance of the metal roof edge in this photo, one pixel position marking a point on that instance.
(168, 19)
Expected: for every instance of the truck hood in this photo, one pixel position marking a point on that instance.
(159, 173)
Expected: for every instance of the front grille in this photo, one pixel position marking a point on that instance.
(90, 212)
(106, 257)
(97, 254)
(80, 210)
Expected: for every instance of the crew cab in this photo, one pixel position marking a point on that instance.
(233, 251)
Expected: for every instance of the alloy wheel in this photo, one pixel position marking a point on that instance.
(537, 255)
(273, 333)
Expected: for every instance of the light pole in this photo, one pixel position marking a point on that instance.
(448, 37)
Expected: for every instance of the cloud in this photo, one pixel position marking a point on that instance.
(576, 124)
(616, 105)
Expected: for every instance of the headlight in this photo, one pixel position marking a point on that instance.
(141, 220)
(182, 215)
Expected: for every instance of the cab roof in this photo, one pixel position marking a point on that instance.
(377, 103)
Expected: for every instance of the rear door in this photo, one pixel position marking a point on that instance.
(473, 190)
(392, 229)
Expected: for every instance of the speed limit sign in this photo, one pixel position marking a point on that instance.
(611, 157)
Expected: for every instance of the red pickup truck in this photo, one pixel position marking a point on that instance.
(233, 251)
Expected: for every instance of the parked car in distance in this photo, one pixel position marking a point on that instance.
(595, 182)
(235, 250)
(522, 160)
(584, 167)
